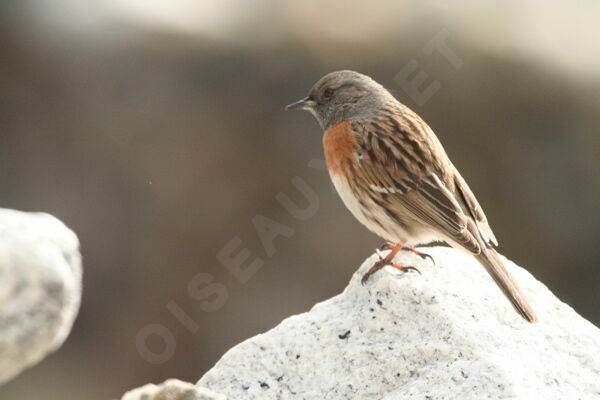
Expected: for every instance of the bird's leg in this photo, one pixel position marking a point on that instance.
(387, 260)
(424, 256)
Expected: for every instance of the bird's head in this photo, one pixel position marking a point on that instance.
(343, 95)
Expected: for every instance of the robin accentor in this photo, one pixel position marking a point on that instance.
(393, 174)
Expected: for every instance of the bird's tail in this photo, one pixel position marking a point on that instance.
(494, 265)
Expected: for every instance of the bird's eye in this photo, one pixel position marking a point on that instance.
(328, 93)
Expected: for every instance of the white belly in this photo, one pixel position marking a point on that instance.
(377, 220)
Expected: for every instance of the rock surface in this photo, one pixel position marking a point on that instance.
(172, 389)
(446, 334)
(40, 287)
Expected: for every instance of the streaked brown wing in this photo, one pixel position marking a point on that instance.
(406, 174)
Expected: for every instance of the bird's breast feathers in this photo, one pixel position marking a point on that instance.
(340, 147)
(343, 157)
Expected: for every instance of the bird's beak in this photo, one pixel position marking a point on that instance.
(305, 103)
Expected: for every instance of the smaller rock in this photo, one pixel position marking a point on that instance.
(172, 389)
(40, 288)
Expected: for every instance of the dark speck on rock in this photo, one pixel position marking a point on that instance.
(297, 356)
(379, 302)
(371, 309)
(345, 335)
(280, 378)
(264, 385)
(245, 387)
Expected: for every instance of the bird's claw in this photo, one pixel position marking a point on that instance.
(426, 256)
(365, 278)
(386, 246)
(409, 268)
(385, 262)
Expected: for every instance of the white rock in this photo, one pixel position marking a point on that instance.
(446, 334)
(40, 287)
(171, 389)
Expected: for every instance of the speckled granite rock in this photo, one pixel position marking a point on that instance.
(40, 288)
(446, 334)
(172, 389)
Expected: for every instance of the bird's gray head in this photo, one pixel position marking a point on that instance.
(343, 95)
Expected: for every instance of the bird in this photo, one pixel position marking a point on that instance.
(393, 174)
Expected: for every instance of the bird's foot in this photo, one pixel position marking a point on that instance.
(424, 256)
(387, 260)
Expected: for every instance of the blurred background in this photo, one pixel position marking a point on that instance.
(155, 129)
